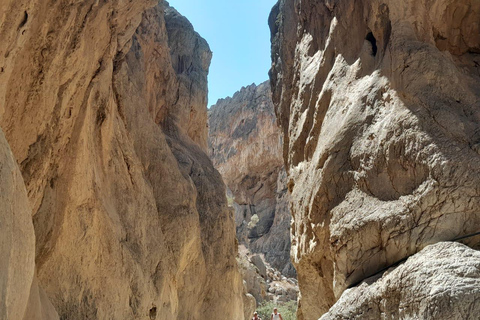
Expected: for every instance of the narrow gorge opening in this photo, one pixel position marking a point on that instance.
(246, 148)
(245, 144)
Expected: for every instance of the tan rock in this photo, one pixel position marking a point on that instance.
(105, 110)
(39, 306)
(19, 291)
(249, 303)
(380, 107)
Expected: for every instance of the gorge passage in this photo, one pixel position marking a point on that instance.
(362, 151)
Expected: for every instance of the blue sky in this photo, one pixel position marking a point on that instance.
(238, 34)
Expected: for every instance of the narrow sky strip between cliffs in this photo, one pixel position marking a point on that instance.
(238, 35)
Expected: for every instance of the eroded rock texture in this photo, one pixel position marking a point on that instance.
(20, 295)
(379, 105)
(104, 106)
(246, 147)
(440, 282)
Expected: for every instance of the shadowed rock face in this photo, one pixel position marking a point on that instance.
(104, 107)
(379, 103)
(246, 147)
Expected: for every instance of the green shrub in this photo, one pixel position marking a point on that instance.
(287, 309)
(230, 200)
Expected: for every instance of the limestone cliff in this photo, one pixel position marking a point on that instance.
(246, 147)
(104, 106)
(379, 103)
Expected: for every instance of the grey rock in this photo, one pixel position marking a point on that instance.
(379, 103)
(258, 262)
(246, 147)
(440, 282)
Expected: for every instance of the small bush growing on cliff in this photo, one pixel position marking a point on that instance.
(253, 221)
(230, 200)
(287, 309)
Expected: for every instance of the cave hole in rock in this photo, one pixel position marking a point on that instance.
(371, 38)
(153, 313)
(24, 20)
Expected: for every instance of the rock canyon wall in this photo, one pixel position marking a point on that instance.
(20, 295)
(246, 147)
(103, 104)
(379, 103)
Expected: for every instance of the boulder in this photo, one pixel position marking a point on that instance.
(440, 282)
(258, 262)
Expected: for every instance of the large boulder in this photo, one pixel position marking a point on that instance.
(255, 284)
(258, 262)
(440, 282)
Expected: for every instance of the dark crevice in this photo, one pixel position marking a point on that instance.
(153, 313)
(24, 20)
(370, 38)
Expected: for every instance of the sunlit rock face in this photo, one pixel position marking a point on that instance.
(440, 282)
(103, 104)
(379, 103)
(20, 296)
(246, 147)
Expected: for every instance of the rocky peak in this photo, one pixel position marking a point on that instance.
(190, 56)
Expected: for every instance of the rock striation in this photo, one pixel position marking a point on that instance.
(379, 103)
(441, 282)
(246, 147)
(103, 104)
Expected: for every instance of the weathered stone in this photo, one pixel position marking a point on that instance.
(245, 145)
(255, 283)
(20, 296)
(379, 103)
(104, 106)
(258, 262)
(440, 282)
(249, 302)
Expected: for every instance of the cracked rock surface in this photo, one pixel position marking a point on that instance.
(379, 103)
